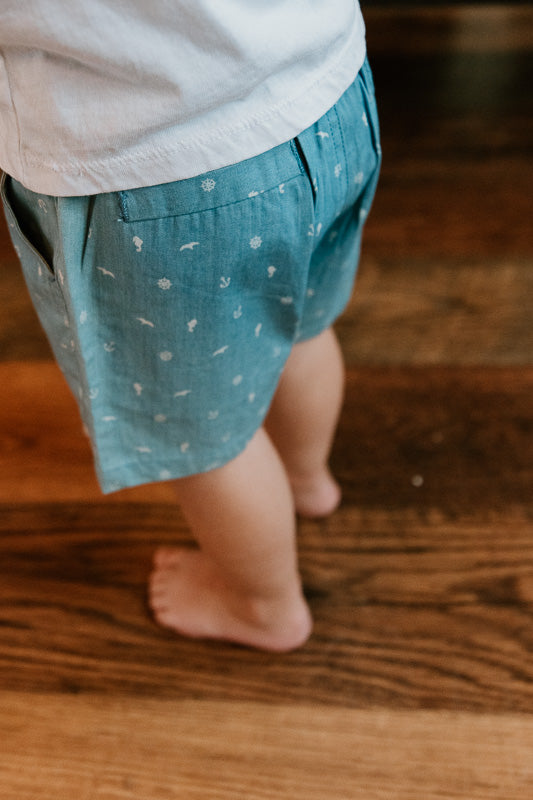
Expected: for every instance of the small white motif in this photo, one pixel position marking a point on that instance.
(105, 272)
(315, 184)
(165, 355)
(183, 393)
(271, 270)
(318, 229)
(359, 178)
(320, 313)
(255, 242)
(220, 351)
(61, 277)
(160, 418)
(311, 230)
(165, 475)
(144, 449)
(108, 419)
(282, 188)
(66, 322)
(251, 397)
(42, 205)
(184, 446)
(93, 393)
(144, 321)
(83, 317)
(286, 301)
(138, 389)
(310, 292)
(189, 246)
(365, 119)
(138, 243)
(39, 269)
(363, 214)
(253, 194)
(224, 282)
(322, 134)
(338, 170)
(276, 352)
(237, 313)
(164, 284)
(258, 329)
(109, 347)
(237, 380)
(212, 414)
(208, 184)
(225, 438)
(191, 325)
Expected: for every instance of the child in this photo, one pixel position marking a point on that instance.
(186, 188)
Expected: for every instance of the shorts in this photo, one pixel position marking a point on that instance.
(172, 309)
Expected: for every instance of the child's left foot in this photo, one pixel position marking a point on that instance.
(316, 496)
(188, 595)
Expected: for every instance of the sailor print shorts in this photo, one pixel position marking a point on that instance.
(172, 309)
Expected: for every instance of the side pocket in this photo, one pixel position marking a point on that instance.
(23, 210)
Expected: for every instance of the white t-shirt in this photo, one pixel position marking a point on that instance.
(102, 95)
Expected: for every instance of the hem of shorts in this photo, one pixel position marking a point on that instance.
(130, 474)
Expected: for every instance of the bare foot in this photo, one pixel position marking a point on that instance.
(316, 496)
(189, 596)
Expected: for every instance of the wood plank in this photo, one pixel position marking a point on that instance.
(120, 748)
(467, 311)
(466, 431)
(412, 610)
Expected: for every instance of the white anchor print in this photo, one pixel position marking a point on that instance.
(224, 282)
(220, 351)
(109, 347)
(281, 188)
(42, 205)
(212, 415)
(144, 321)
(183, 393)
(138, 389)
(105, 272)
(271, 270)
(258, 329)
(83, 317)
(338, 170)
(322, 134)
(144, 449)
(237, 313)
(108, 419)
(191, 325)
(138, 243)
(253, 194)
(184, 446)
(166, 355)
(237, 380)
(286, 301)
(189, 246)
(93, 394)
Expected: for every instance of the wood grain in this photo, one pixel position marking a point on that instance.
(257, 751)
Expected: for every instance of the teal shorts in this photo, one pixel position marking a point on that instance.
(172, 309)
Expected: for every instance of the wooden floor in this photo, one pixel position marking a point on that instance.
(418, 680)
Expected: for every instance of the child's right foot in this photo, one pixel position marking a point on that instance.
(316, 496)
(188, 595)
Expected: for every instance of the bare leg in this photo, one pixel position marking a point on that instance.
(243, 584)
(303, 419)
